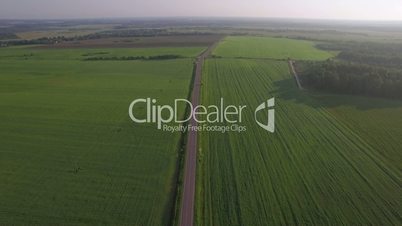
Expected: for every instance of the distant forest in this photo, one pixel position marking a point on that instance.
(4, 36)
(98, 35)
(371, 69)
(126, 58)
(351, 78)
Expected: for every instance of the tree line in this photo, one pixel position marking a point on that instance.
(351, 78)
(125, 58)
(5, 36)
(379, 54)
(100, 35)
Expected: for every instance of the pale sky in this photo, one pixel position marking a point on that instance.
(311, 9)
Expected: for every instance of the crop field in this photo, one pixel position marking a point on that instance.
(377, 121)
(267, 47)
(69, 153)
(316, 169)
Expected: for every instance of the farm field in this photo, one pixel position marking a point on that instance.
(268, 47)
(377, 121)
(316, 169)
(69, 152)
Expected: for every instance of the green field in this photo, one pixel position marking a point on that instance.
(377, 121)
(266, 47)
(69, 153)
(316, 169)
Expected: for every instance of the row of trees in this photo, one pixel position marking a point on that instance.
(157, 57)
(39, 41)
(351, 78)
(5, 36)
(99, 35)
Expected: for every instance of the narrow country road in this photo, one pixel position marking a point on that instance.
(187, 205)
(292, 68)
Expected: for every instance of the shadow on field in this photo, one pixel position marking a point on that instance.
(287, 90)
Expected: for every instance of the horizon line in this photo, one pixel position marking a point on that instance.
(207, 17)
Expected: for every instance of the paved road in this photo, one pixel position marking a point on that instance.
(187, 205)
(292, 68)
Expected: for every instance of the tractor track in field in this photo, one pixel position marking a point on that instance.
(292, 69)
(187, 204)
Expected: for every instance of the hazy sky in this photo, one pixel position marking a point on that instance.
(324, 9)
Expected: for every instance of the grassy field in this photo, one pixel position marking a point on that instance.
(377, 121)
(316, 169)
(69, 152)
(267, 47)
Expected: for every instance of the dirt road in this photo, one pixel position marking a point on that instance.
(292, 68)
(187, 205)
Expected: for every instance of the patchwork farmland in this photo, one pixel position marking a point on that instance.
(70, 155)
(316, 169)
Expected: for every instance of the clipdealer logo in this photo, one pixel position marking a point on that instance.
(270, 126)
(208, 118)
